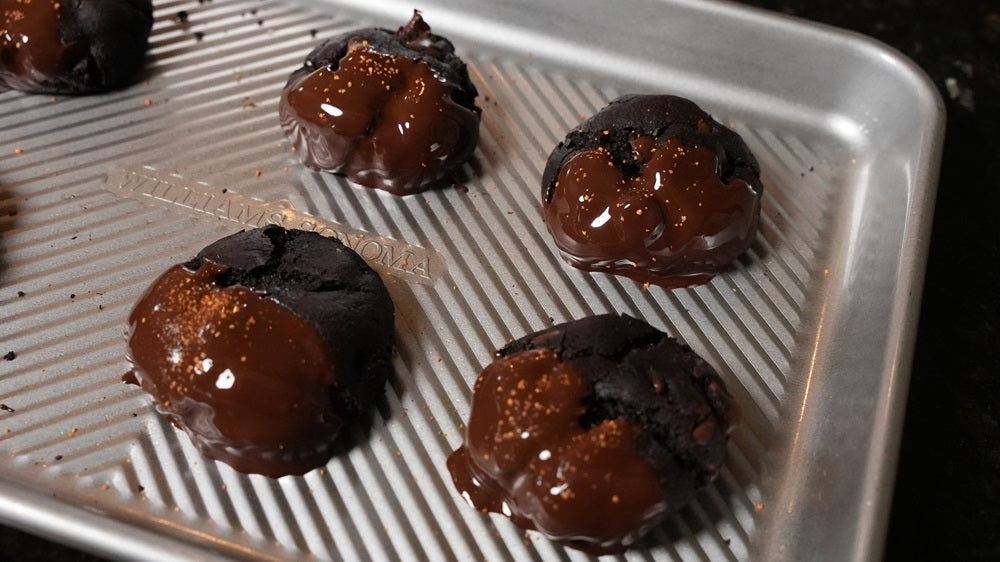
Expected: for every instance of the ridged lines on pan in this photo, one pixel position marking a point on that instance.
(90, 442)
(524, 193)
(39, 422)
(116, 286)
(481, 314)
(82, 385)
(378, 507)
(344, 542)
(87, 151)
(419, 460)
(86, 118)
(432, 371)
(13, 104)
(719, 344)
(522, 108)
(488, 279)
(88, 449)
(756, 287)
(107, 253)
(223, 24)
(209, 20)
(553, 93)
(363, 513)
(386, 445)
(215, 23)
(762, 353)
(798, 232)
(778, 248)
(801, 223)
(811, 204)
(90, 467)
(467, 301)
(242, 51)
(376, 458)
(163, 518)
(518, 179)
(710, 524)
(732, 512)
(305, 511)
(36, 257)
(675, 312)
(32, 130)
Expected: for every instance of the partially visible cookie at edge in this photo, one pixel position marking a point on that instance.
(72, 46)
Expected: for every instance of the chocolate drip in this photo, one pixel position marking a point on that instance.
(528, 456)
(246, 378)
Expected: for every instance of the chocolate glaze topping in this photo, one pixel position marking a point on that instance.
(652, 188)
(264, 347)
(236, 370)
(72, 46)
(29, 37)
(527, 455)
(393, 111)
(592, 432)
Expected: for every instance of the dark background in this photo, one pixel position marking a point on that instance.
(947, 499)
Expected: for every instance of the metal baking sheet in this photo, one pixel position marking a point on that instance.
(812, 329)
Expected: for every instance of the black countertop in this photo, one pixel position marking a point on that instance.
(947, 498)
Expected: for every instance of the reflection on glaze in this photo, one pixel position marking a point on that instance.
(30, 45)
(671, 223)
(245, 377)
(385, 121)
(527, 456)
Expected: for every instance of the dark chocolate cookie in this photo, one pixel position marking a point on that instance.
(390, 110)
(653, 188)
(593, 431)
(72, 46)
(264, 347)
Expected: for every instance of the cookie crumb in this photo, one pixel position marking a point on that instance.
(9, 356)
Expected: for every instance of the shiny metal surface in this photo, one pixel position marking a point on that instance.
(812, 329)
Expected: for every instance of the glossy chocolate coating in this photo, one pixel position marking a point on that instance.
(653, 189)
(390, 111)
(263, 360)
(527, 455)
(29, 37)
(72, 46)
(592, 432)
(236, 370)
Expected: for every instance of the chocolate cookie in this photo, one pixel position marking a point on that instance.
(593, 431)
(72, 46)
(390, 110)
(652, 188)
(264, 347)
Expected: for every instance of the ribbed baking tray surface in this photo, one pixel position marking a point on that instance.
(812, 328)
